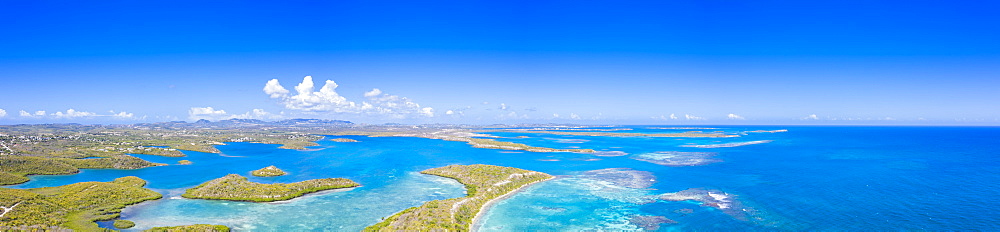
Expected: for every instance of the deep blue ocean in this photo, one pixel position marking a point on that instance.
(805, 179)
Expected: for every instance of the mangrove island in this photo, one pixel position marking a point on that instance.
(234, 187)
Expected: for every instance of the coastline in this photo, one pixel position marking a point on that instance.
(477, 220)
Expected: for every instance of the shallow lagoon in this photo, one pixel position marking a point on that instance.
(809, 178)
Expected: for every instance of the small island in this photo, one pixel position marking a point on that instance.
(123, 224)
(484, 185)
(184, 162)
(234, 187)
(344, 140)
(268, 172)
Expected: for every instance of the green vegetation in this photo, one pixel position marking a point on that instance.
(344, 140)
(268, 172)
(13, 168)
(237, 188)
(74, 206)
(191, 228)
(9, 179)
(484, 183)
(64, 148)
(184, 162)
(165, 139)
(124, 224)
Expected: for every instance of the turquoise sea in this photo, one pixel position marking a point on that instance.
(805, 179)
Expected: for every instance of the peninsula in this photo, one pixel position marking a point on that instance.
(14, 169)
(72, 207)
(483, 183)
(234, 187)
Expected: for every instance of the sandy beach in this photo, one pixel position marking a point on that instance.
(477, 220)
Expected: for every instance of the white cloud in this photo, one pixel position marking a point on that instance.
(735, 117)
(275, 89)
(811, 117)
(427, 111)
(3, 113)
(328, 100)
(574, 116)
(122, 115)
(393, 105)
(374, 92)
(71, 113)
(74, 114)
(208, 113)
(665, 118)
(259, 114)
(449, 112)
(555, 115)
(325, 100)
(503, 106)
(692, 117)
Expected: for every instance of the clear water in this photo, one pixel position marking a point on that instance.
(809, 178)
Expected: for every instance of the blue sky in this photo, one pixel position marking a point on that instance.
(634, 62)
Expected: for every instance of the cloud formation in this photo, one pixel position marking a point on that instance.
(735, 117)
(374, 92)
(75, 114)
(207, 113)
(328, 100)
(122, 114)
(324, 100)
(3, 113)
(377, 102)
(811, 117)
(692, 117)
(212, 114)
(275, 89)
(71, 113)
